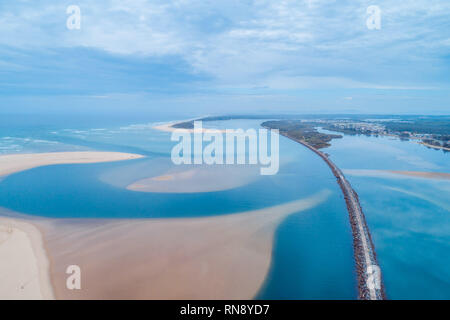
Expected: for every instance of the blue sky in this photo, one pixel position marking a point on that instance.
(215, 57)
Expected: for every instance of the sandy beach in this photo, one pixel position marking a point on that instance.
(218, 257)
(168, 127)
(13, 163)
(24, 267)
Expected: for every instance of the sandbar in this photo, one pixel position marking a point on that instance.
(12, 163)
(193, 179)
(424, 174)
(216, 257)
(168, 127)
(398, 174)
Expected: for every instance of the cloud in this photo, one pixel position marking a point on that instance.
(281, 45)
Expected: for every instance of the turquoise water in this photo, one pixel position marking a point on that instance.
(312, 249)
(409, 218)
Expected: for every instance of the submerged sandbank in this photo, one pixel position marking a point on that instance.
(424, 175)
(24, 267)
(198, 179)
(218, 257)
(398, 174)
(13, 163)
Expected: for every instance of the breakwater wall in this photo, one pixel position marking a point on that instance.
(369, 278)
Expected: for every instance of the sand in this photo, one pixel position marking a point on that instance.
(216, 257)
(13, 163)
(219, 257)
(424, 175)
(198, 179)
(168, 127)
(24, 268)
(397, 174)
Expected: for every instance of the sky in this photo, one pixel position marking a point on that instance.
(225, 56)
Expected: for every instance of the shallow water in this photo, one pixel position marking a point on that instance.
(312, 258)
(312, 250)
(409, 218)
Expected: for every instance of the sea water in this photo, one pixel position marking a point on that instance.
(312, 252)
(409, 218)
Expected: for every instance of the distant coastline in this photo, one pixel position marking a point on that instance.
(431, 132)
(433, 146)
(187, 125)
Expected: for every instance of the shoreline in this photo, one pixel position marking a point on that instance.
(30, 264)
(168, 127)
(185, 258)
(363, 247)
(417, 140)
(433, 146)
(26, 262)
(13, 163)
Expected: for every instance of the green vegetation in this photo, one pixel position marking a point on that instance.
(303, 131)
(421, 126)
(184, 125)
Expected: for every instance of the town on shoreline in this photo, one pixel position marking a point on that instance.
(430, 131)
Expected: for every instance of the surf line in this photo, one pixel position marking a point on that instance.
(370, 282)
